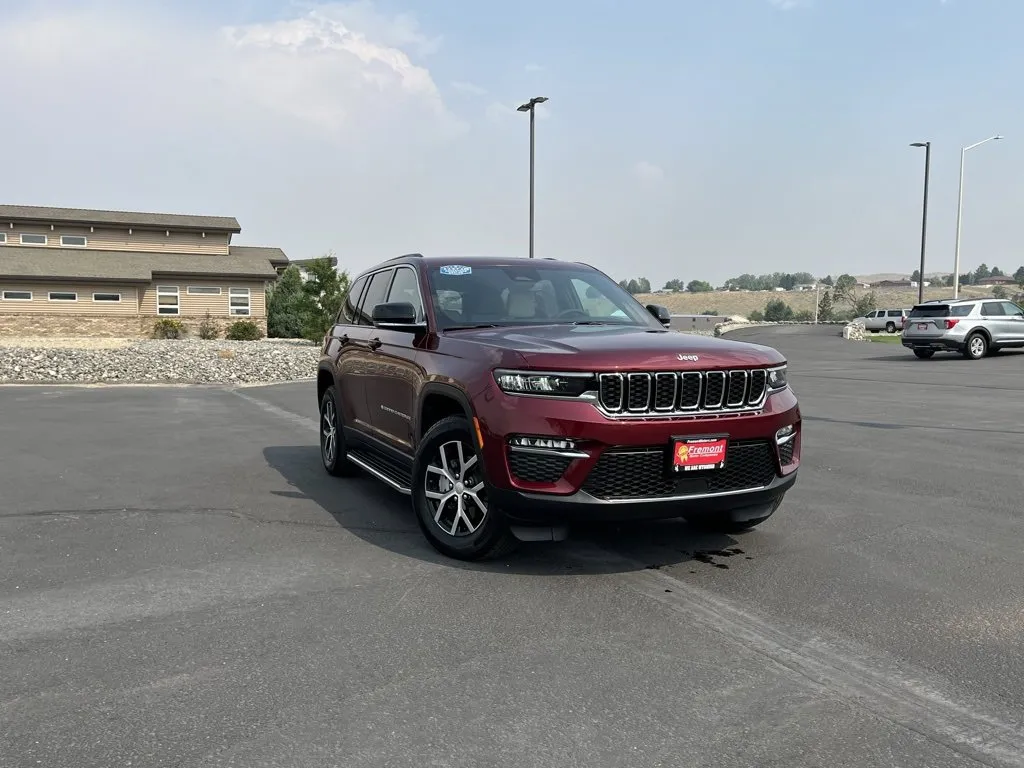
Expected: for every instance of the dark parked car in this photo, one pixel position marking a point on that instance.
(511, 397)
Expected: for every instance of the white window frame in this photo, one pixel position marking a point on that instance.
(239, 311)
(168, 290)
(106, 301)
(5, 297)
(83, 244)
(51, 294)
(46, 240)
(3, 238)
(204, 290)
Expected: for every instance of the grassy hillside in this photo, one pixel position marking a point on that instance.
(740, 303)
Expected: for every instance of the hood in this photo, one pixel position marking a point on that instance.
(613, 348)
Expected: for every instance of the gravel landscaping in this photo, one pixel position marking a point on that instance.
(180, 361)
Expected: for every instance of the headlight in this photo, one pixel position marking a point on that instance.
(551, 384)
(777, 378)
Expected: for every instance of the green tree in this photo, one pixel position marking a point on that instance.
(324, 290)
(287, 306)
(827, 280)
(698, 286)
(916, 276)
(826, 309)
(777, 310)
(674, 284)
(996, 272)
(1019, 276)
(982, 272)
(1000, 293)
(864, 304)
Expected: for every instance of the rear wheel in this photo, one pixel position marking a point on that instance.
(976, 346)
(890, 327)
(449, 496)
(924, 354)
(332, 438)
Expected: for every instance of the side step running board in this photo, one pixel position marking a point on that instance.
(379, 472)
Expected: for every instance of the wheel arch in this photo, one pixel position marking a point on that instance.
(324, 380)
(438, 401)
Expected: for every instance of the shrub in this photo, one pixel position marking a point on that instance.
(804, 316)
(709, 312)
(777, 310)
(165, 328)
(756, 316)
(243, 330)
(208, 329)
(1000, 293)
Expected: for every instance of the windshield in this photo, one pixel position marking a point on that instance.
(468, 296)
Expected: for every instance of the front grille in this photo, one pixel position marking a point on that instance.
(537, 467)
(642, 473)
(681, 392)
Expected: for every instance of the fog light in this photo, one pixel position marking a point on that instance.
(785, 434)
(547, 443)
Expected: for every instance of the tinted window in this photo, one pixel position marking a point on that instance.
(348, 307)
(545, 293)
(1012, 309)
(930, 310)
(894, 313)
(963, 310)
(405, 287)
(991, 308)
(376, 293)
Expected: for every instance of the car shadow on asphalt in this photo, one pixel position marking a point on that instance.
(370, 510)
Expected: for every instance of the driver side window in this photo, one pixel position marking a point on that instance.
(1012, 309)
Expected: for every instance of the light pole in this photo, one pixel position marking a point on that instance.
(960, 213)
(924, 215)
(530, 107)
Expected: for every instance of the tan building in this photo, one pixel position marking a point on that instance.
(72, 272)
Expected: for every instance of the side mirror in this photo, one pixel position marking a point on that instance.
(396, 315)
(661, 313)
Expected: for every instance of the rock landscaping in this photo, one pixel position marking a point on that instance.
(177, 361)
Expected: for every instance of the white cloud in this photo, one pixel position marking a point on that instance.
(647, 171)
(470, 88)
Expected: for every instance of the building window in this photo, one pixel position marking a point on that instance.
(63, 296)
(17, 295)
(3, 237)
(167, 300)
(27, 239)
(73, 241)
(204, 290)
(239, 301)
(107, 297)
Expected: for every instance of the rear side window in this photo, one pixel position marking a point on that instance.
(963, 310)
(348, 308)
(895, 313)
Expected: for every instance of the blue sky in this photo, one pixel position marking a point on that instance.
(698, 139)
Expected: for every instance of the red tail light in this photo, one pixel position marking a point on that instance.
(950, 323)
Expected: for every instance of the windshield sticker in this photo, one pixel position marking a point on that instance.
(456, 269)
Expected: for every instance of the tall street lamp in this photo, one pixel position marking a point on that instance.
(960, 212)
(530, 107)
(924, 215)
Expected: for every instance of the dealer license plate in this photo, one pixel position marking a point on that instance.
(699, 454)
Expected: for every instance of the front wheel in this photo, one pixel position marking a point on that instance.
(976, 346)
(449, 496)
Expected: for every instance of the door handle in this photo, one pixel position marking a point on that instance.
(374, 343)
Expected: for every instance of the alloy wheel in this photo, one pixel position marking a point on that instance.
(977, 346)
(454, 488)
(329, 432)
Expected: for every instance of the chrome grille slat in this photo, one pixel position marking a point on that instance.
(682, 393)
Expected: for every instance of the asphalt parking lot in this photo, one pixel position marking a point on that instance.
(182, 585)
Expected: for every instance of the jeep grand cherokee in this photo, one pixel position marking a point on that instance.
(511, 397)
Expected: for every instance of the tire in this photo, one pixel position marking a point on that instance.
(456, 518)
(736, 522)
(924, 354)
(333, 454)
(976, 346)
(890, 327)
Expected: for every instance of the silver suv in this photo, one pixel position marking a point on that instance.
(888, 320)
(972, 327)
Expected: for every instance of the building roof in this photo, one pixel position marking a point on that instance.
(275, 256)
(28, 263)
(91, 217)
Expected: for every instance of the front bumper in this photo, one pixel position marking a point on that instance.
(524, 508)
(619, 468)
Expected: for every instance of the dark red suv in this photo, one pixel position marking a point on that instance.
(511, 397)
